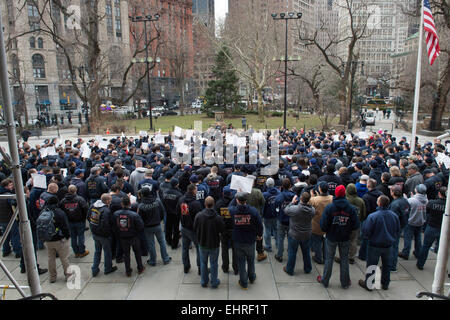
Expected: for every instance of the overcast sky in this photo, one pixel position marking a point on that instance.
(221, 8)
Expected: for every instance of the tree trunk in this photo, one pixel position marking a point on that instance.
(342, 101)
(440, 102)
(260, 105)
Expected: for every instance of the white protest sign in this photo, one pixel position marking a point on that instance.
(159, 139)
(336, 138)
(51, 151)
(183, 149)
(448, 147)
(143, 133)
(231, 139)
(178, 144)
(178, 132)
(442, 158)
(363, 135)
(43, 152)
(241, 141)
(241, 183)
(98, 138)
(144, 146)
(86, 153)
(103, 145)
(133, 199)
(189, 134)
(257, 136)
(39, 181)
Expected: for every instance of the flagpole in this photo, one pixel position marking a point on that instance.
(417, 89)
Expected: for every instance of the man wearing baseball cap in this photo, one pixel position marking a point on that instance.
(338, 221)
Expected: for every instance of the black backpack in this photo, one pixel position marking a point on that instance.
(45, 225)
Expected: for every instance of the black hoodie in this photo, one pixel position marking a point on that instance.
(151, 211)
(208, 226)
(75, 207)
(188, 207)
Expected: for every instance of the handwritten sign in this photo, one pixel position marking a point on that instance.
(241, 183)
(39, 181)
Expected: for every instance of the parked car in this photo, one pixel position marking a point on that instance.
(169, 113)
(370, 118)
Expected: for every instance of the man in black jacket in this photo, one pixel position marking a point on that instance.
(187, 208)
(435, 212)
(151, 210)
(127, 226)
(331, 179)
(58, 244)
(170, 200)
(221, 208)
(399, 206)
(101, 221)
(95, 186)
(208, 227)
(75, 207)
(370, 200)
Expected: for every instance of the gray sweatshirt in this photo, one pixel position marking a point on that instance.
(418, 204)
(300, 221)
(136, 177)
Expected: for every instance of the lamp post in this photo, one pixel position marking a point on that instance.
(283, 16)
(147, 18)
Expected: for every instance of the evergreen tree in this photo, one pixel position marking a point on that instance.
(222, 92)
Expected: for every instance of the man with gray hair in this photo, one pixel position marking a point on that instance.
(418, 209)
(414, 179)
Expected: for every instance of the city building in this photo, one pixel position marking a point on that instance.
(171, 77)
(40, 77)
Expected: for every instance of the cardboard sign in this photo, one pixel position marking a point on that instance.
(178, 132)
(39, 180)
(241, 183)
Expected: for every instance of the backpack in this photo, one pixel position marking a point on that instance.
(45, 225)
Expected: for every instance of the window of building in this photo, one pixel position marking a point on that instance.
(40, 43)
(32, 42)
(38, 66)
(15, 67)
(32, 10)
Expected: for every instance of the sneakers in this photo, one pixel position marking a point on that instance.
(362, 284)
(84, 254)
(316, 260)
(401, 255)
(285, 270)
(279, 259)
(69, 276)
(168, 261)
(112, 270)
(151, 264)
(242, 286)
(262, 256)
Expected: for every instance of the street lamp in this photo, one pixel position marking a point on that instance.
(147, 18)
(82, 71)
(291, 15)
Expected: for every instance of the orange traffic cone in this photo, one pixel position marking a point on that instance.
(107, 130)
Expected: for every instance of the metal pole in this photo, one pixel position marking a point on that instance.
(285, 75)
(25, 234)
(417, 90)
(10, 277)
(148, 76)
(442, 256)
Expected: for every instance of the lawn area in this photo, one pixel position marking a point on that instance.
(167, 123)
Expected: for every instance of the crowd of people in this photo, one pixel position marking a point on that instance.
(332, 191)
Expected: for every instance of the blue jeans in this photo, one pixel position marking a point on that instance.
(430, 235)
(77, 236)
(245, 254)
(188, 236)
(150, 234)
(213, 255)
(13, 237)
(410, 232)
(319, 247)
(363, 250)
(270, 230)
(292, 255)
(394, 252)
(105, 244)
(329, 260)
(386, 259)
(282, 232)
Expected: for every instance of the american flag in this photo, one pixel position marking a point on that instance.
(430, 32)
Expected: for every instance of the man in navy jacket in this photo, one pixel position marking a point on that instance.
(381, 228)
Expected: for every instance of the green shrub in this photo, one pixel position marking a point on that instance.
(276, 114)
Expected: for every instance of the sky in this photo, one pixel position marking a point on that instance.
(221, 8)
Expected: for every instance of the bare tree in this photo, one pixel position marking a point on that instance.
(355, 20)
(251, 37)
